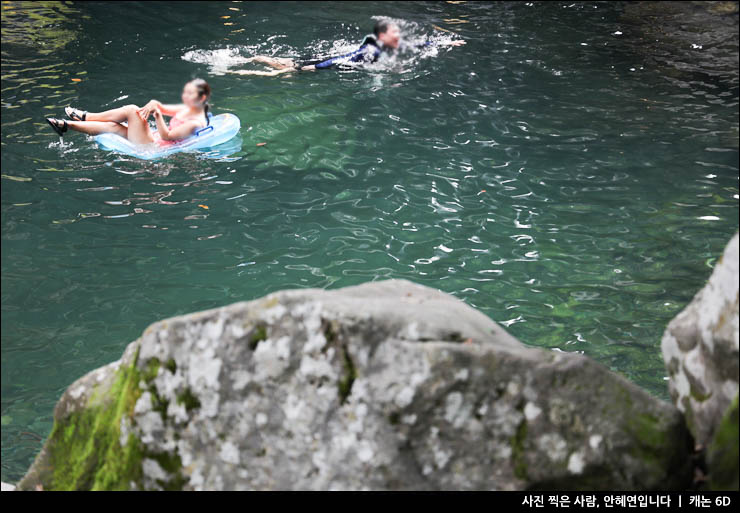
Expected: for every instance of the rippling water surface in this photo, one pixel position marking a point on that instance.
(572, 172)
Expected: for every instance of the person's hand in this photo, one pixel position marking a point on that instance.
(157, 113)
(456, 42)
(143, 113)
(147, 109)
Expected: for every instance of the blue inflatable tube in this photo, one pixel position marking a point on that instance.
(221, 129)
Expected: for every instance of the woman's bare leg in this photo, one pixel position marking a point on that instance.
(138, 131)
(98, 127)
(263, 73)
(118, 115)
(274, 62)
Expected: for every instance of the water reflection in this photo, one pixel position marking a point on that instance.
(42, 26)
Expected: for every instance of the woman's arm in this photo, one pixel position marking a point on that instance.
(181, 132)
(454, 42)
(170, 109)
(167, 110)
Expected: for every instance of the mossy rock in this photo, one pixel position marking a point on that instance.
(387, 385)
(722, 456)
(86, 449)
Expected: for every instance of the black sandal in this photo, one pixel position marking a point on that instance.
(55, 125)
(75, 114)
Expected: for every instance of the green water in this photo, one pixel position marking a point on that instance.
(564, 172)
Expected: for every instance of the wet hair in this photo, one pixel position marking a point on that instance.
(382, 26)
(203, 89)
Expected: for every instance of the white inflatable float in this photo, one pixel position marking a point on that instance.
(221, 129)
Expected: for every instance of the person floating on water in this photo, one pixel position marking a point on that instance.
(386, 36)
(185, 119)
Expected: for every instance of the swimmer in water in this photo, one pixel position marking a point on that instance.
(386, 36)
(185, 118)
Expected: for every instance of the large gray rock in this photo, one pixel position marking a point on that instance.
(387, 385)
(700, 349)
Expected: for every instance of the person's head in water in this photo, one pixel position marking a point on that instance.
(387, 33)
(196, 94)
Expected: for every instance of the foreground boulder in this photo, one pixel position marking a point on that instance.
(387, 385)
(700, 349)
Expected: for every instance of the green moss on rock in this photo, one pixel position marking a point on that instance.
(86, 451)
(517, 451)
(647, 429)
(151, 370)
(171, 365)
(87, 454)
(722, 457)
(349, 374)
(697, 395)
(188, 399)
(258, 335)
(651, 439)
(173, 465)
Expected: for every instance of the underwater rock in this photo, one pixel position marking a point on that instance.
(700, 349)
(386, 385)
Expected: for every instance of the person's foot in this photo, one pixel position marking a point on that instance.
(75, 114)
(59, 125)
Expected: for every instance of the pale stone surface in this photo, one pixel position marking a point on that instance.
(386, 385)
(700, 349)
